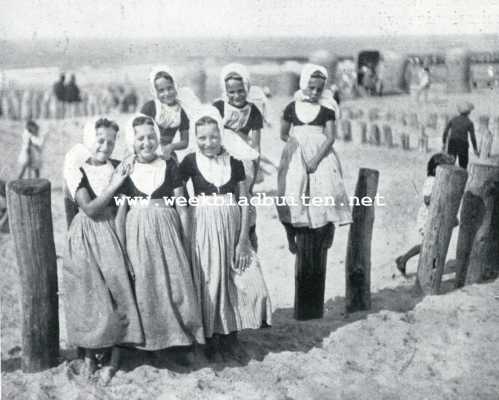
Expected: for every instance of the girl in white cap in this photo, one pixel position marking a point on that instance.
(168, 111)
(153, 223)
(232, 289)
(98, 299)
(244, 118)
(310, 167)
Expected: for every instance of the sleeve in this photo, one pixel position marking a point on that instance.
(288, 113)
(256, 119)
(174, 174)
(184, 121)
(219, 105)
(149, 109)
(329, 115)
(185, 169)
(83, 184)
(237, 170)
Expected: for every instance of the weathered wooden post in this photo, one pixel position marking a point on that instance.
(387, 135)
(346, 130)
(30, 216)
(445, 199)
(374, 134)
(477, 254)
(358, 258)
(423, 140)
(359, 132)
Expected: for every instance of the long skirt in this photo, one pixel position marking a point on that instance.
(230, 301)
(164, 286)
(98, 299)
(313, 199)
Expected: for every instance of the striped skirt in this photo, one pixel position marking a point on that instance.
(98, 299)
(230, 301)
(164, 286)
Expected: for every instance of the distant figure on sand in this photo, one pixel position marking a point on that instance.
(30, 156)
(4, 226)
(72, 96)
(424, 84)
(456, 144)
(59, 93)
(431, 168)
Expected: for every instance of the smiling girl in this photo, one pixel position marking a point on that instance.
(98, 300)
(155, 233)
(167, 111)
(232, 289)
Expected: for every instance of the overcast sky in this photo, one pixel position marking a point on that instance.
(163, 18)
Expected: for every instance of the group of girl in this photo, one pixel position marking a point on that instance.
(154, 276)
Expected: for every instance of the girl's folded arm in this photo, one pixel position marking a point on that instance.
(285, 128)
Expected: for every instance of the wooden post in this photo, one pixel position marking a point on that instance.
(387, 135)
(346, 130)
(358, 258)
(423, 140)
(359, 132)
(374, 134)
(477, 254)
(444, 204)
(30, 216)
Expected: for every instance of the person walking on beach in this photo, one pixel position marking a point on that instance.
(424, 84)
(59, 93)
(72, 96)
(457, 132)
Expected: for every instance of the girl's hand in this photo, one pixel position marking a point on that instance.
(243, 256)
(312, 165)
(167, 151)
(120, 174)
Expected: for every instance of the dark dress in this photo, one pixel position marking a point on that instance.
(167, 133)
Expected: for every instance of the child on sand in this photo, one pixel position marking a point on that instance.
(98, 299)
(310, 167)
(456, 143)
(156, 236)
(30, 156)
(232, 289)
(431, 168)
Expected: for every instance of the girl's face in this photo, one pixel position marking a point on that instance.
(236, 93)
(314, 89)
(209, 140)
(146, 143)
(165, 91)
(104, 144)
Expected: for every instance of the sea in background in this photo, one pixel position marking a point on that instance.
(37, 62)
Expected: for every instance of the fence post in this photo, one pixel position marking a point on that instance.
(477, 254)
(30, 216)
(444, 204)
(358, 258)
